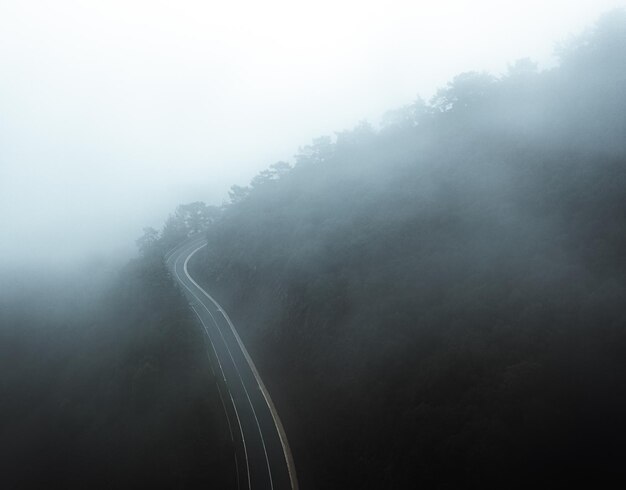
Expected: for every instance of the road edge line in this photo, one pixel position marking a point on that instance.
(291, 468)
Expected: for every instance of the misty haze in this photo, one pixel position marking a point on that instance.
(312, 246)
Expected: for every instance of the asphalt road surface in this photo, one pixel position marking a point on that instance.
(262, 456)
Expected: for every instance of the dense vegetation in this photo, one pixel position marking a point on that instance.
(440, 303)
(107, 386)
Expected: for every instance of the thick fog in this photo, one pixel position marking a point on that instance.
(112, 113)
(422, 250)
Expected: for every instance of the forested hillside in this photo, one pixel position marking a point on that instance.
(107, 385)
(440, 303)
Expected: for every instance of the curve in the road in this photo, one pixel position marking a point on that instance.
(266, 457)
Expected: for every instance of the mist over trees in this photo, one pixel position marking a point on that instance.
(436, 303)
(188, 219)
(440, 302)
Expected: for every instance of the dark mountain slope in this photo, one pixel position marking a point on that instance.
(441, 302)
(108, 390)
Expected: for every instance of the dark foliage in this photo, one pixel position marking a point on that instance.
(441, 303)
(113, 393)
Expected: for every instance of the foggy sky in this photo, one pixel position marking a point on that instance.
(112, 113)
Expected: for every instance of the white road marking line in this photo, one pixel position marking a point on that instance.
(269, 470)
(223, 377)
(230, 429)
(256, 419)
(268, 400)
(243, 438)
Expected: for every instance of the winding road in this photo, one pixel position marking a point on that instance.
(262, 457)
